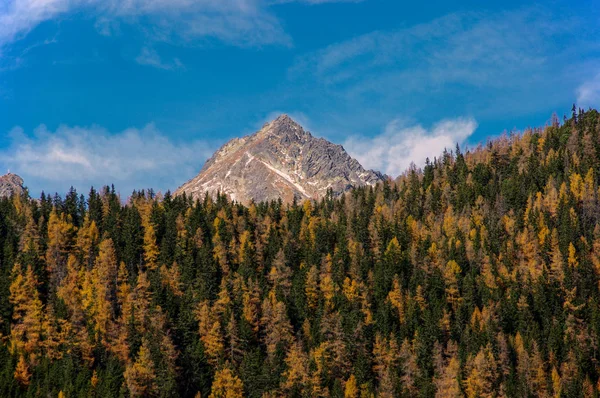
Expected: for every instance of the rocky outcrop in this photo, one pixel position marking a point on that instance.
(282, 160)
(10, 184)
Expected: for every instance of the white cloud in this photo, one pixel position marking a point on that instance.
(588, 93)
(149, 56)
(82, 157)
(400, 144)
(241, 22)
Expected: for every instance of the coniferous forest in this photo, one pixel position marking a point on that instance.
(477, 276)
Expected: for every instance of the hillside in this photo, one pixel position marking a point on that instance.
(476, 276)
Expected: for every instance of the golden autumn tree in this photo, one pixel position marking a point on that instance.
(60, 238)
(385, 356)
(447, 383)
(213, 343)
(27, 328)
(556, 270)
(251, 304)
(226, 385)
(396, 299)
(22, 373)
(451, 272)
(140, 376)
(296, 377)
(150, 248)
(327, 284)
(312, 287)
(351, 389)
(141, 302)
(481, 374)
(88, 238)
(104, 281)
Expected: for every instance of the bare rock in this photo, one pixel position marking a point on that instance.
(10, 184)
(282, 160)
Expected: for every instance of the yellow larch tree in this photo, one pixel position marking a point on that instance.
(311, 288)
(447, 384)
(451, 272)
(140, 376)
(396, 299)
(226, 385)
(351, 389)
(27, 327)
(104, 280)
(481, 374)
(556, 270)
(22, 373)
(326, 283)
(88, 238)
(150, 248)
(296, 376)
(60, 236)
(251, 304)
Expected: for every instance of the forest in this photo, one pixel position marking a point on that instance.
(475, 276)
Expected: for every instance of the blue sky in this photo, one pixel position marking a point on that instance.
(140, 92)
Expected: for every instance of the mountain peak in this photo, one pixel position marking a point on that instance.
(281, 160)
(284, 119)
(10, 184)
(286, 128)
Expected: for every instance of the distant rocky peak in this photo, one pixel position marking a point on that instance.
(11, 184)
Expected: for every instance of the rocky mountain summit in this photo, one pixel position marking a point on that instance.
(10, 184)
(281, 160)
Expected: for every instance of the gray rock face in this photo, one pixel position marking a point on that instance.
(279, 161)
(10, 184)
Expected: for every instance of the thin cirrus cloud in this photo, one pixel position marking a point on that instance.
(511, 56)
(238, 22)
(402, 144)
(148, 56)
(52, 161)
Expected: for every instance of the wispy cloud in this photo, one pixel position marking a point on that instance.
(79, 156)
(467, 47)
(239, 22)
(510, 56)
(401, 144)
(242, 22)
(148, 56)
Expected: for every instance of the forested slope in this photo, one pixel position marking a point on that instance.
(477, 276)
